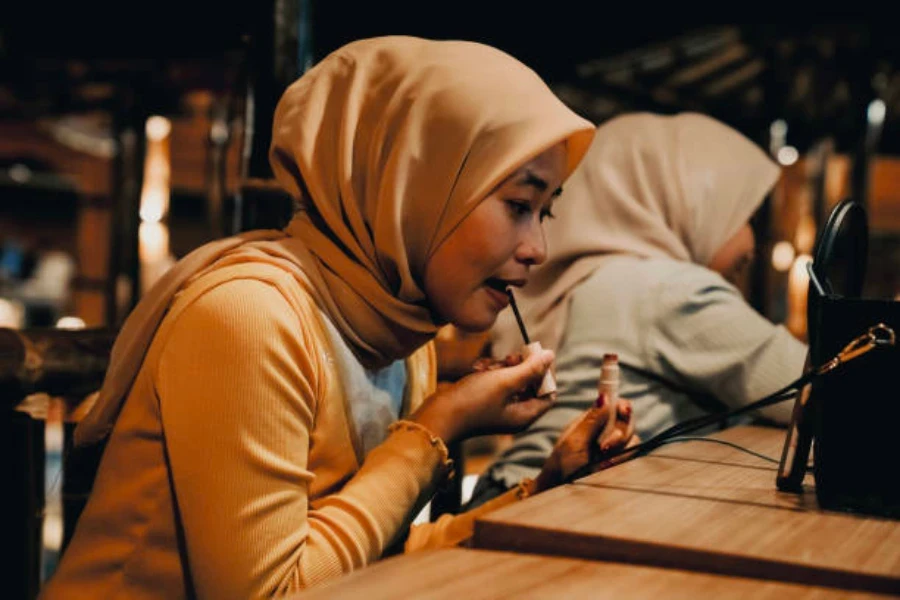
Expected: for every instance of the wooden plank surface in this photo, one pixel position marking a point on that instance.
(709, 470)
(468, 574)
(705, 507)
(765, 440)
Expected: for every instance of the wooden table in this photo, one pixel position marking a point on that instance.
(704, 507)
(464, 574)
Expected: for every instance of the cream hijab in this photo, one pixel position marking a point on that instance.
(652, 186)
(387, 144)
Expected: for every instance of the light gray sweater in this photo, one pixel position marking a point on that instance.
(680, 331)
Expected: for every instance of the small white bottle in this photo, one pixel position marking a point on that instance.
(548, 384)
(609, 385)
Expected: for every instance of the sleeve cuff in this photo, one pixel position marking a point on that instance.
(444, 460)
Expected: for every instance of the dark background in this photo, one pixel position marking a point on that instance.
(819, 77)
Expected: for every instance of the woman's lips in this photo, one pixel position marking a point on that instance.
(500, 297)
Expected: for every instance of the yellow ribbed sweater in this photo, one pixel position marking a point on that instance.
(231, 471)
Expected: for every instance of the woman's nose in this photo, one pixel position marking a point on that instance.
(533, 248)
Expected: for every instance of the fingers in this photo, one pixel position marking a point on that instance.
(623, 431)
(625, 417)
(623, 410)
(594, 419)
(577, 445)
(513, 359)
(583, 431)
(629, 433)
(615, 439)
(486, 363)
(521, 414)
(529, 370)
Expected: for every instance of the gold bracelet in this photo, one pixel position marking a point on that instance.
(525, 489)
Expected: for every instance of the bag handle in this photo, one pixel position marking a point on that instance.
(876, 336)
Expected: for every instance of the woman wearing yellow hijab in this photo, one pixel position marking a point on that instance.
(269, 411)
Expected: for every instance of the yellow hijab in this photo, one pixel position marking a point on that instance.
(387, 144)
(650, 185)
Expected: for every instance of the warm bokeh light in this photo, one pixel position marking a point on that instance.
(782, 256)
(70, 323)
(154, 241)
(805, 235)
(154, 204)
(153, 234)
(876, 112)
(20, 173)
(798, 288)
(11, 314)
(778, 128)
(158, 128)
(154, 253)
(787, 155)
(157, 171)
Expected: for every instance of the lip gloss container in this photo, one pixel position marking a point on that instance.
(548, 383)
(609, 385)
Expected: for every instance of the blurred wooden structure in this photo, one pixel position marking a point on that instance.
(36, 366)
(80, 110)
(89, 170)
(86, 125)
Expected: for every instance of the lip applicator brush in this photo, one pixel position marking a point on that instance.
(548, 384)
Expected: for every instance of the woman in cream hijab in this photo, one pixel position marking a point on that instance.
(269, 413)
(654, 226)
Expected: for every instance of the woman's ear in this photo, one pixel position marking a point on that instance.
(734, 255)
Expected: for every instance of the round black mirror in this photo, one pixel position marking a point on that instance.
(839, 259)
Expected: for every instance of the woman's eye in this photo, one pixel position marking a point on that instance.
(547, 214)
(519, 208)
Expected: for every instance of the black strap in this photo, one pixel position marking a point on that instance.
(691, 425)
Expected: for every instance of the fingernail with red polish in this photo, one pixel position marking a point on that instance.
(601, 400)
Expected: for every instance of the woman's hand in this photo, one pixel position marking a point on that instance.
(486, 363)
(496, 399)
(586, 442)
